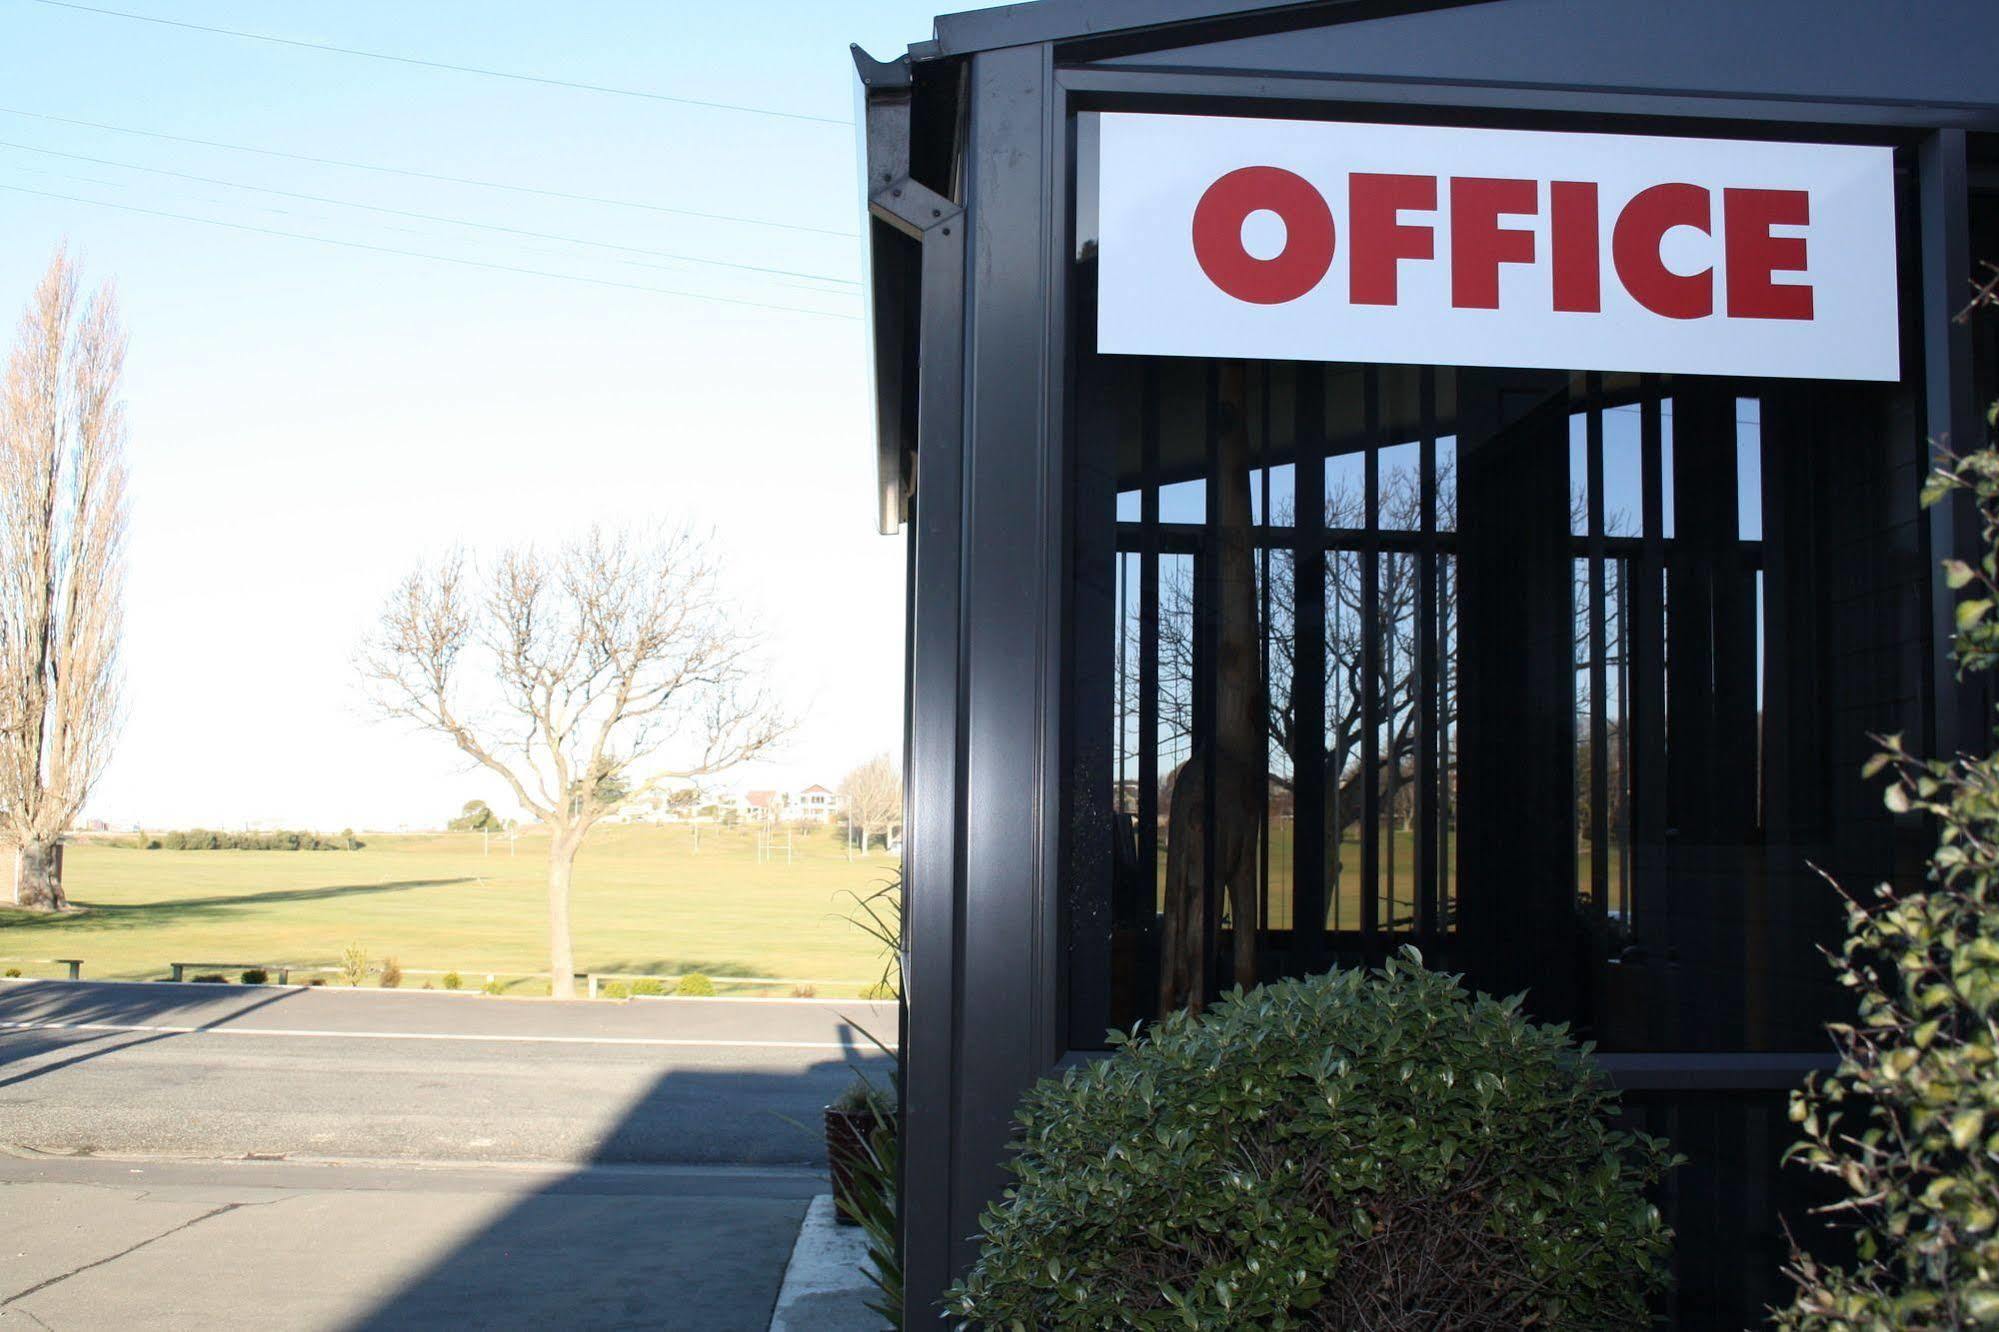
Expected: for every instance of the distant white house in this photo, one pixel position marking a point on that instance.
(815, 804)
(812, 804)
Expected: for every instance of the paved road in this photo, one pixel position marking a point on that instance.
(89, 1244)
(162, 1070)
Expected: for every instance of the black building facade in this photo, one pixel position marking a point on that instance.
(1226, 668)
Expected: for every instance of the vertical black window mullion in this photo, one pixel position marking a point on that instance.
(1647, 633)
(1424, 857)
(1371, 639)
(1599, 679)
(1262, 548)
(1624, 737)
(1311, 836)
(1148, 658)
(1207, 679)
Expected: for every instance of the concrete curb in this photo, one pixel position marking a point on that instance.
(824, 1288)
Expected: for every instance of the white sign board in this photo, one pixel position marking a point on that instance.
(1309, 240)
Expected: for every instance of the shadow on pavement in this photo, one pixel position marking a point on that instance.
(73, 1006)
(655, 1247)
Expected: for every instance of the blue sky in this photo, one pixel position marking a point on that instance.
(308, 420)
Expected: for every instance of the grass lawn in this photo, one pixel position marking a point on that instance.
(644, 902)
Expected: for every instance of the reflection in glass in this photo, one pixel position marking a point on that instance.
(1749, 469)
(1184, 502)
(1623, 472)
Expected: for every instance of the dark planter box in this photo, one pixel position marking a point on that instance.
(846, 1148)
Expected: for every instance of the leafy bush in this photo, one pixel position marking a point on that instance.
(392, 973)
(693, 985)
(616, 990)
(1351, 1151)
(13, 973)
(211, 978)
(453, 981)
(493, 987)
(648, 987)
(255, 976)
(353, 964)
(1909, 1122)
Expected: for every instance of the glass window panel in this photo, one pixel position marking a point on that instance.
(1277, 589)
(1401, 488)
(1346, 490)
(1130, 506)
(1579, 474)
(1176, 687)
(1398, 737)
(1124, 732)
(1623, 472)
(1184, 502)
(1344, 720)
(1617, 684)
(1447, 483)
(1447, 738)
(1749, 468)
(1666, 468)
(1585, 710)
(1281, 483)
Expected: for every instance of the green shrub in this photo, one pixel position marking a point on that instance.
(649, 987)
(693, 985)
(1354, 1150)
(493, 987)
(211, 978)
(203, 839)
(13, 973)
(1909, 1122)
(616, 990)
(353, 964)
(392, 973)
(453, 981)
(256, 976)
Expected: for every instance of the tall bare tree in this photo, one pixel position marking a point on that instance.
(872, 796)
(585, 678)
(62, 570)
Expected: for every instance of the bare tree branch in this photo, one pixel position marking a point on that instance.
(586, 678)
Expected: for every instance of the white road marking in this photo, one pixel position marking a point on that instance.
(676, 1042)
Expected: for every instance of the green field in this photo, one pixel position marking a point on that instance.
(645, 902)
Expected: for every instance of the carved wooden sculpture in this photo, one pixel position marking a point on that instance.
(1234, 760)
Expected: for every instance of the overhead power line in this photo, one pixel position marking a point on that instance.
(428, 217)
(434, 258)
(604, 200)
(331, 49)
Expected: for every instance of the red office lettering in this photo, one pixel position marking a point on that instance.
(1754, 254)
(1479, 245)
(1634, 247)
(1308, 235)
(1574, 240)
(1379, 239)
